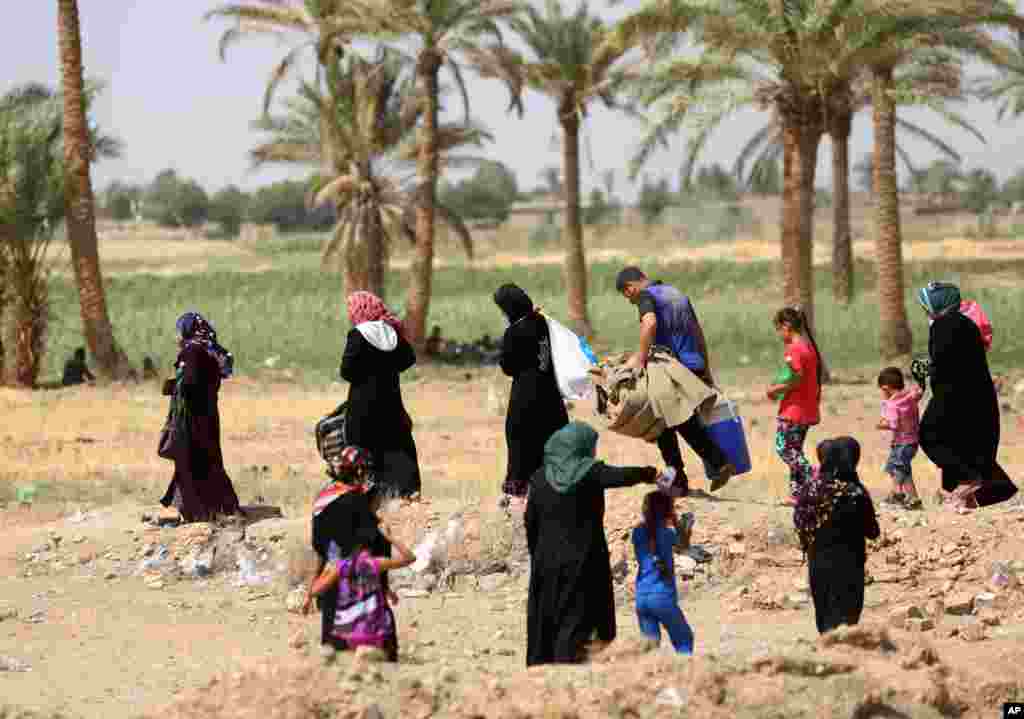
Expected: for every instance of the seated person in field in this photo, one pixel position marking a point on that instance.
(435, 343)
(76, 371)
(148, 368)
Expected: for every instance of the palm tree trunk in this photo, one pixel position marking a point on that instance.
(800, 156)
(418, 305)
(80, 215)
(895, 338)
(375, 252)
(575, 259)
(842, 241)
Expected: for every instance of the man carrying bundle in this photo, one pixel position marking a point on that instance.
(667, 319)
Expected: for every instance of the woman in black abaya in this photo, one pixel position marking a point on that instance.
(834, 516)
(571, 598)
(960, 427)
(376, 354)
(535, 408)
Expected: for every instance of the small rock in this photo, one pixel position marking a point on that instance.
(737, 549)
(686, 566)
(990, 617)
(671, 696)
(973, 632)
(920, 625)
(11, 664)
(984, 600)
(935, 608)
(950, 548)
(294, 600)
(110, 575)
(491, 582)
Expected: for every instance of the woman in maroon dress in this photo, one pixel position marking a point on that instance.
(201, 489)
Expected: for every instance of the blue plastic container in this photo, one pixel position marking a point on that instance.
(725, 427)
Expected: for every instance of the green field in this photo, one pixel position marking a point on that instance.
(296, 312)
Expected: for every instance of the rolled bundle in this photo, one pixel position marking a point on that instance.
(642, 404)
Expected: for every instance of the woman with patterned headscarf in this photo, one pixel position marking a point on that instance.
(376, 353)
(834, 516)
(960, 428)
(200, 489)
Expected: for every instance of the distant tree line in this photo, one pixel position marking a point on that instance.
(173, 201)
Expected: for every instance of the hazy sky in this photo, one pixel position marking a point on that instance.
(174, 104)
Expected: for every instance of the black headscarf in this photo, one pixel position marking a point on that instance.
(836, 481)
(514, 302)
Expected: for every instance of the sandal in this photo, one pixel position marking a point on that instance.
(722, 478)
(895, 499)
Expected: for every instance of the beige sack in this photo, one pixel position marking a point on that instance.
(643, 404)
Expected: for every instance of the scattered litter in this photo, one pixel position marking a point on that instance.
(671, 697)
(10, 664)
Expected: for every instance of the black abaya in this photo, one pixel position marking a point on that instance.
(376, 418)
(836, 562)
(200, 489)
(960, 427)
(571, 595)
(535, 407)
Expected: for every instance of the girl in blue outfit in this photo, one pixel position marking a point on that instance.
(657, 601)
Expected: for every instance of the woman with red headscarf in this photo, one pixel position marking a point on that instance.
(376, 353)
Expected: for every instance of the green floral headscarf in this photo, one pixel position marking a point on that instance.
(569, 455)
(938, 298)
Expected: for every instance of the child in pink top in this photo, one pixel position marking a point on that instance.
(901, 416)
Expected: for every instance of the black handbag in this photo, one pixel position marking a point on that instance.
(172, 439)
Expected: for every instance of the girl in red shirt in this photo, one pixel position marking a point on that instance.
(798, 386)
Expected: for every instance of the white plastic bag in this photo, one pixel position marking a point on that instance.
(572, 366)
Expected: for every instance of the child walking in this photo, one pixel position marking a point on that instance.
(657, 601)
(798, 387)
(901, 416)
(362, 615)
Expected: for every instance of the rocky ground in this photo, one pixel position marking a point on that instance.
(129, 613)
(107, 610)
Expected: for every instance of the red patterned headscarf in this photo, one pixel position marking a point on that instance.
(368, 307)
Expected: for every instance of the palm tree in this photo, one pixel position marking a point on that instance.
(954, 31)
(800, 55)
(370, 113)
(80, 214)
(31, 205)
(942, 83)
(443, 30)
(1007, 87)
(572, 65)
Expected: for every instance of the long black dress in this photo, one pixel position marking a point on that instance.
(376, 417)
(960, 428)
(200, 488)
(836, 562)
(571, 595)
(535, 407)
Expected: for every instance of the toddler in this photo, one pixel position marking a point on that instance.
(900, 415)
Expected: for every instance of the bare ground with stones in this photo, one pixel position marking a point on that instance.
(93, 623)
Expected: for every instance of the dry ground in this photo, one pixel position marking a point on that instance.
(101, 641)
